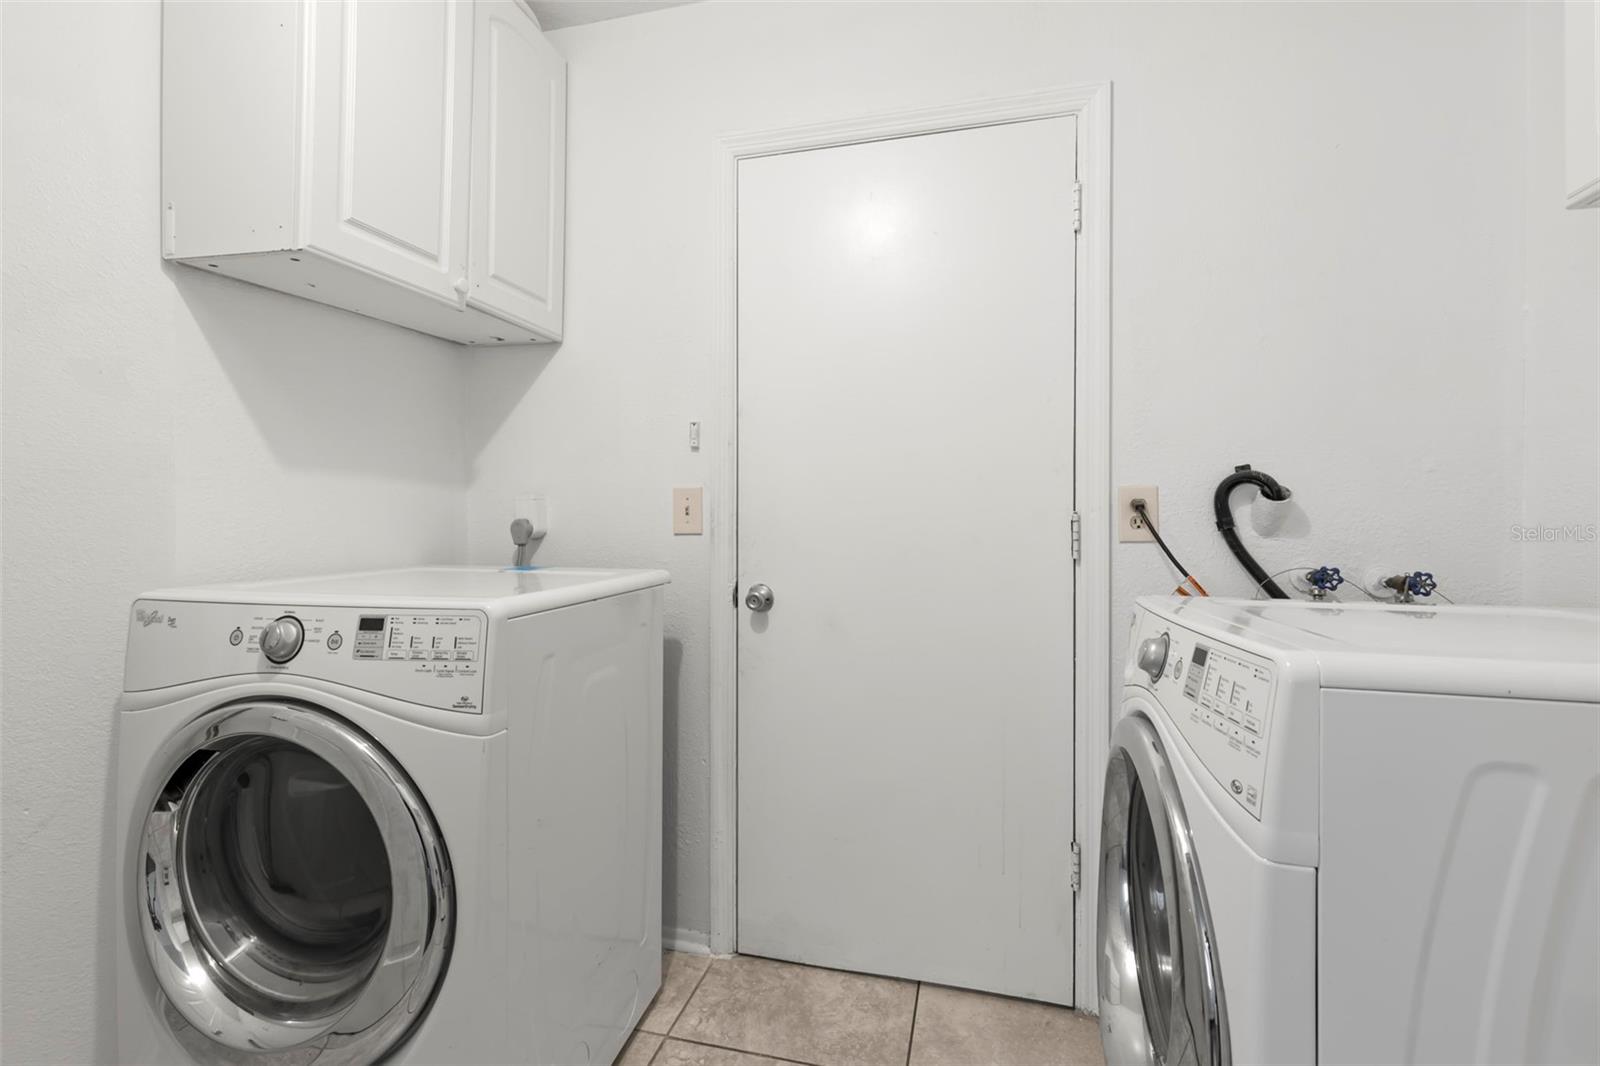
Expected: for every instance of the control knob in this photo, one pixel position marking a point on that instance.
(281, 639)
(1153, 656)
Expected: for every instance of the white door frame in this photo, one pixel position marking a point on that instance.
(1090, 105)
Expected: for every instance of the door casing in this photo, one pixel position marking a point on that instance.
(1091, 106)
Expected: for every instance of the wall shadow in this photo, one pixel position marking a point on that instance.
(332, 390)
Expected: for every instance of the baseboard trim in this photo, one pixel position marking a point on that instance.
(686, 941)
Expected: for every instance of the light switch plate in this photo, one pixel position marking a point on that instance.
(686, 508)
(1130, 527)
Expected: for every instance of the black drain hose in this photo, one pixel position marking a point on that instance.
(1243, 475)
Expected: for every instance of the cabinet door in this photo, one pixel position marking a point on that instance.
(519, 149)
(391, 85)
(1583, 102)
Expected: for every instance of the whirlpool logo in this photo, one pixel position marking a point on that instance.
(148, 618)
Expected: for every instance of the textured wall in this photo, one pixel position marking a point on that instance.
(1318, 253)
(160, 426)
(1561, 459)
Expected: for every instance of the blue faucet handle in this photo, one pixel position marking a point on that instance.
(1325, 578)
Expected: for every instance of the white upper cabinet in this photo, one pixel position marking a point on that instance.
(1582, 38)
(404, 159)
(389, 138)
(519, 151)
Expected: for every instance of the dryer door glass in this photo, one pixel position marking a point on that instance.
(295, 891)
(1161, 998)
(286, 877)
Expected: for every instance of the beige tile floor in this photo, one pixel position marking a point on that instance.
(745, 1011)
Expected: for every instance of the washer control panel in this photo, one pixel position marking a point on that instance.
(436, 638)
(1220, 698)
(428, 657)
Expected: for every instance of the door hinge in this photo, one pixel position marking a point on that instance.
(1077, 536)
(1077, 207)
(1077, 868)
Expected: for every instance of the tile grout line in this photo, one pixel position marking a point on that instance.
(916, 1001)
(668, 1034)
(678, 1017)
(735, 1050)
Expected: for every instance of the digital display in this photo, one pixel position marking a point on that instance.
(1199, 657)
(372, 623)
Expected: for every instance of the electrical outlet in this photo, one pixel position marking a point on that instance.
(1131, 529)
(536, 509)
(686, 520)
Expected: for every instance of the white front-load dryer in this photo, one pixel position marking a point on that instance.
(409, 816)
(1352, 834)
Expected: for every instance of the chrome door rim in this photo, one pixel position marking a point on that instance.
(1196, 1017)
(380, 1010)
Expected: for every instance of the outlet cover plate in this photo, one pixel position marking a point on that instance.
(1130, 529)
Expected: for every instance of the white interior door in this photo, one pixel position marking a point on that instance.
(905, 489)
(388, 185)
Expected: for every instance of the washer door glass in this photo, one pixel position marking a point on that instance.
(295, 890)
(1161, 999)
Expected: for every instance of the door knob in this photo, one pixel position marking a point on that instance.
(759, 598)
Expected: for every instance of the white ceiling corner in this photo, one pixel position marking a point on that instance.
(559, 14)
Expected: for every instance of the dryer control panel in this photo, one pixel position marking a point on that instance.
(1220, 698)
(433, 658)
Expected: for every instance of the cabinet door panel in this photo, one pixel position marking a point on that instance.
(518, 169)
(388, 176)
(1582, 47)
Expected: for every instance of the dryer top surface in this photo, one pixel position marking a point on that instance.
(498, 591)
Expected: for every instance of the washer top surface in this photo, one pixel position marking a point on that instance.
(1534, 653)
(499, 591)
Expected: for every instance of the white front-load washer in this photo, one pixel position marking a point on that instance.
(411, 816)
(1352, 834)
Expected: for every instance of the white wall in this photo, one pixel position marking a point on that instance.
(1318, 269)
(1561, 458)
(160, 426)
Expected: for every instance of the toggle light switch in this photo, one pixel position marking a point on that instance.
(686, 520)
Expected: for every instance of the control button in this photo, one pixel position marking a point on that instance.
(236, 638)
(335, 641)
(1237, 786)
(1177, 667)
(1252, 744)
(281, 639)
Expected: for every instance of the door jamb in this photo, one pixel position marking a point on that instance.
(1092, 674)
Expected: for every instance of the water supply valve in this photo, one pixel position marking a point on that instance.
(1407, 587)
(1421, 583)
(1323, 580)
